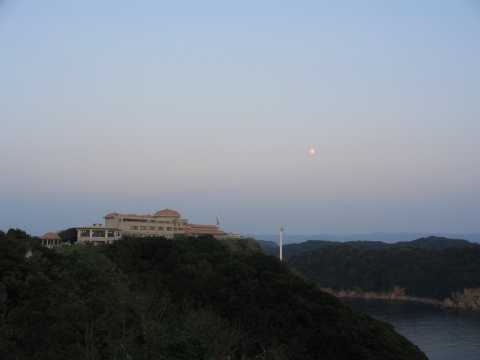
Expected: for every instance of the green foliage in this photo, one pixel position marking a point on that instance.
(69, 235)
(17, 234)
(247, 245)
(61, 307)
(154, 298)
(431, 268)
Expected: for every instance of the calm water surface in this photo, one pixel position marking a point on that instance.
(441, 334)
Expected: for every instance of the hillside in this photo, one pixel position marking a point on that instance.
(438, 243)
(429, 267)
(153, 298)
(429, 243)
(290, 250)
(268, 247)
(271, 248)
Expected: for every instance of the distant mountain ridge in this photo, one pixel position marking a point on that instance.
(434, 268)
(437, 243)
(378, 236)
(428, 243)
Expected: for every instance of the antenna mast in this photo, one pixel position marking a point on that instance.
(280, 241)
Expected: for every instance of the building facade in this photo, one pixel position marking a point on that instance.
(97, 235)
(166, 223)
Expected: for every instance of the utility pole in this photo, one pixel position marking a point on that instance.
(280, 240)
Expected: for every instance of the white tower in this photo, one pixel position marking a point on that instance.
(280, 241)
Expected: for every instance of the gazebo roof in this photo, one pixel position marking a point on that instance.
(51, 236)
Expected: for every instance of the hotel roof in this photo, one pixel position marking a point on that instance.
(167, 213)
(197, 229)
(161, 213)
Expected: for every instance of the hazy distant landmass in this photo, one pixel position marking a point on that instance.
(378, 236)
(447, 270)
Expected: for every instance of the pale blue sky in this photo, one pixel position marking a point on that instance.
(209, 107)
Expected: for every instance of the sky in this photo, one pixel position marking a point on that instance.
(209, 107)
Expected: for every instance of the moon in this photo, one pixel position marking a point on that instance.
(312, 151)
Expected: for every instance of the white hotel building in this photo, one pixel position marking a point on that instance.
(165, 223)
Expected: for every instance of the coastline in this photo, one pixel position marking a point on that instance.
(469, 300)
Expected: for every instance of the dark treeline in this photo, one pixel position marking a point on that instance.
(154, 298)
(433, 268)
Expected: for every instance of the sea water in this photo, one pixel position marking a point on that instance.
(441, 334)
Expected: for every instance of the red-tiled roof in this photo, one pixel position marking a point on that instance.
(161, 213)
(167, 213)
(111, 215)
(197, 229)
(51, 236)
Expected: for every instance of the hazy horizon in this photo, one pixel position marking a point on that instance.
(383, 237)
(210, 108)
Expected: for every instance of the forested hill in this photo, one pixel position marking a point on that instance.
(430, 267)
(153, 298)
(438, 243)
(428, 243)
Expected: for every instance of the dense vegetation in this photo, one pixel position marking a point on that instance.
(430, 243)
(431, 267)
(154, 298)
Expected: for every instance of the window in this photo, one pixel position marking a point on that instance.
(85, 233)
(98, 233)
(160, 228)
(110, 234)
(135, 220)
(152, 227)
(133, 227)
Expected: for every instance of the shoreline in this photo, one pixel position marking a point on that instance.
(457, 302)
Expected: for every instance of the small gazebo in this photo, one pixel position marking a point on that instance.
(51, 240)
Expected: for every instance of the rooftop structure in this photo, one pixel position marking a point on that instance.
(199, 230)
(167, 213)
(51, 240)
